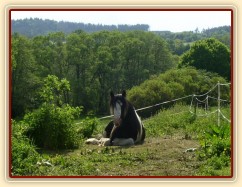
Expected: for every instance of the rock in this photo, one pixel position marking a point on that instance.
(190, 150)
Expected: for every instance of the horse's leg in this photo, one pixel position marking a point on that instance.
(113, 134)
(108, 130)
(123, 142)
(104, 142)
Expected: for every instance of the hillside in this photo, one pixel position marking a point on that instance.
(175, 146)
(222, 33)
(35, 27)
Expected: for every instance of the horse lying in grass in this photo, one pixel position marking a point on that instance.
(126, 127)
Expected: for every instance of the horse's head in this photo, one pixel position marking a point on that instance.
(118, 107)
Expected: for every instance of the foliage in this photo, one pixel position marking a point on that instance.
(179, 42)
(51, 127)
(216, 150)
(50, 54)
(55, 91)
(87, 127)
(23, 154)
(25, 81)
(35, 27)
(93, 63)
(173, 84)
(178, 46)
(210, 55)
(216, 141)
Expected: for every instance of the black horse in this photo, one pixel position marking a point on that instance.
(126, 127)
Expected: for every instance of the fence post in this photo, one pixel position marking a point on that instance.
(195, 107)
(218, 103)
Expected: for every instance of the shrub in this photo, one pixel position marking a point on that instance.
(52, 127)
(87, 127)
(216, 141)
(23, 154)
(174, 84)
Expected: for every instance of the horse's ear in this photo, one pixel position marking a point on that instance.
(111, 94)
(124, 93)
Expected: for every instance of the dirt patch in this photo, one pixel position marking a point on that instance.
(169, 157)
(155, 157)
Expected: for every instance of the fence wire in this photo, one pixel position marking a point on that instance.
(194, 97)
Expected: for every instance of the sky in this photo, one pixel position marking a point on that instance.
(174, 21)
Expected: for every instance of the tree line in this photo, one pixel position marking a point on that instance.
(222, 33)
(180, 42)
(36, 27)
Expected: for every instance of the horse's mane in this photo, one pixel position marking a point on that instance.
(122, 98)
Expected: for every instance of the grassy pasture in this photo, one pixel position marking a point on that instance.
(177, 144)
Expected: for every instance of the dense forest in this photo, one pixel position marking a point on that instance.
(84, 66)
(93, 64)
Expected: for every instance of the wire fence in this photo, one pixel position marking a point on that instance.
(195, 103)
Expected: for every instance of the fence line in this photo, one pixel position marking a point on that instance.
(151, 106)
(203, 101)
(220, 99)
(192, 100)
(207, 92)
(202, 115)
(165, 102)
(225, 117)
(225, 84)
(169, 115)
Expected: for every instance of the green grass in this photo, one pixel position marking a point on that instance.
(169, 134)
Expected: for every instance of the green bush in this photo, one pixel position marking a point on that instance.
(52, 127)
(173, 84)
(215, 145)
(23, 154)
(87, 127)
(216, 141)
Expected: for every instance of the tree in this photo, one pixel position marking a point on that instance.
(209, 54)
(102, 73)
(79, 48)
(50, 54)
(55, 91)
(133, 51)
(93, 64)
(25, 83)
